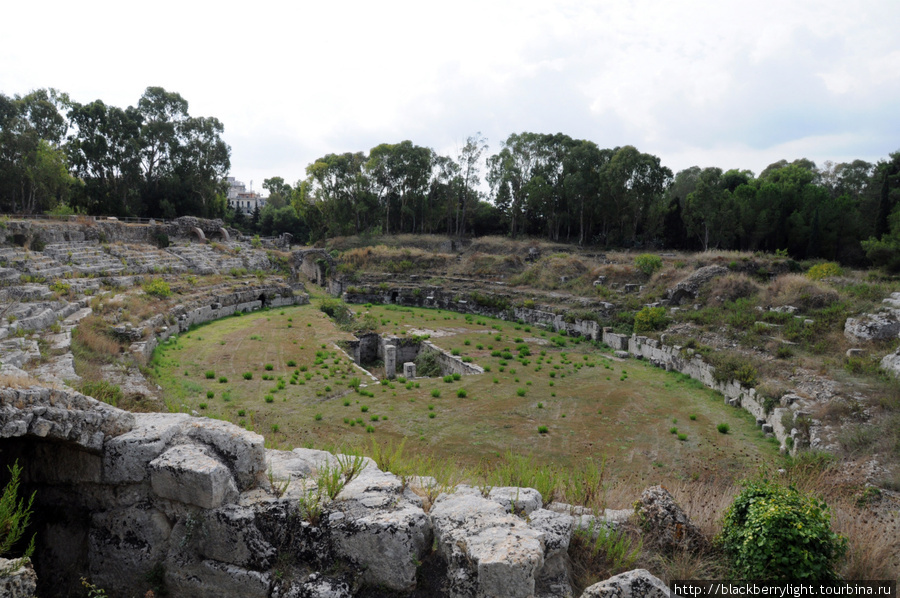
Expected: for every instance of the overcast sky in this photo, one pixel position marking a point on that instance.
(725, 83)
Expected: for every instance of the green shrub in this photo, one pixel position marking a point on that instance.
(158, 288)
(102, 391)
(248, 375)
(648, 263)
(650, 318)
(426, 364)
(824, 270)
(338, 310)
(542, 429)
(732, 366)
(435, 393)
(723, 428)
(210, 375)
(775, 532)
(15, 515)
(461, 393)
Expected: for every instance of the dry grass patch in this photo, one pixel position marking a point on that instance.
(731, 287)
(393, 260)
(484, 264)
(799, 291)
(91, 341)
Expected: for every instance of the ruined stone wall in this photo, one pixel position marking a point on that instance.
(219, 305)
(85, 228)
(200, 507)
(671, 358)
(315, 264)
(451, 364)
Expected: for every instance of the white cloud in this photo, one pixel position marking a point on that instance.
(690, 81)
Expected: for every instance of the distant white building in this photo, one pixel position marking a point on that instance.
(241, 200)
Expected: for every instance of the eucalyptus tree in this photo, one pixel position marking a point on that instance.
(340, 199)
(709, 211)
(469, 160)
(401, 174)
(34, 172)
(104, 147)
(631, 180)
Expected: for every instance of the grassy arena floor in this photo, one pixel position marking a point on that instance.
(592, 405)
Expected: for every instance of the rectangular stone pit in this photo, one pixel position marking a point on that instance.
(372, 351)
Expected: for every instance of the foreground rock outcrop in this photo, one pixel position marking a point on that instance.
(198, 507)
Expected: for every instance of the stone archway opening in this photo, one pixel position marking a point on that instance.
(198, 234)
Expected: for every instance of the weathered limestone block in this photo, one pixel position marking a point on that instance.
(489, 552)
(212, 579)
(870, 327)
(229, 534)
(690, 286)
(378, 526)
(891, 363)
(553, 578)
(242, 451)
(520, 501)
(124, 544)
(390, 361)
(38, 321)
(126, 458)
(20, 583)
(638, 583)
(60, 415)
(409, 370)
(187, 474)
(666, 525)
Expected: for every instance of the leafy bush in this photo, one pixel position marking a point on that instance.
(777, 533)
(427, 365)
(158, 288)
(338, 310)
(15, 514)
(723, 428)
(648, 263)
(102, 391)
(824, 270)
(650, 318)
(730, 366)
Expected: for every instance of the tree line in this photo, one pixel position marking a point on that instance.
(153, 159)
(156, 160)
(571, 190)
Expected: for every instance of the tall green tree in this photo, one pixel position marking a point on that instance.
(469, 160)
(33, 168)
